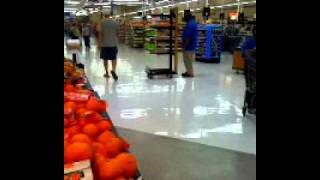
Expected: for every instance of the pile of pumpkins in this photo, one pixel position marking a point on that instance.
(73, 73)
(89, 135)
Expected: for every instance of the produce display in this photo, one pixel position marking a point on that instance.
(88, 133)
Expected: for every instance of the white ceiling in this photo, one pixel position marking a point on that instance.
(74, 5)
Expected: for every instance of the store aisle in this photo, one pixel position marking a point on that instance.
(205, 109)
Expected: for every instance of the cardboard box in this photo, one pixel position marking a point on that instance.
(83, 168)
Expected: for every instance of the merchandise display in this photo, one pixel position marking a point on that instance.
(238, 61)
(89, 134)
(210, 43)
(157, 38)
(162, 39)
(150, 39)
(122, 33)
(137, 35)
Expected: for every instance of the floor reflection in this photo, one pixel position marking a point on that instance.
(205, 109)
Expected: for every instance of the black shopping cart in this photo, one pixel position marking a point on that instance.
(250, 97)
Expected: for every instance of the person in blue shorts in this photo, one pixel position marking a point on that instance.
(108, 44)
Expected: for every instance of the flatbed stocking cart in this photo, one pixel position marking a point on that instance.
(165, 71)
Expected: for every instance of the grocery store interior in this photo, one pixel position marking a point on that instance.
(200, 127)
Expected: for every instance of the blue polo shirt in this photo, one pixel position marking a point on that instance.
(249, 44)
(190, 32)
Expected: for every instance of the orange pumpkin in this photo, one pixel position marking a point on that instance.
(91, 130)
(82, 113)
(99, 148)
(81, 138)
(69, 88)
(105, 126)
(110, 169)
(77, 151)
(114, 146)
(129, 164)
(99, 159)
(74, 130)
(96, 105)
(94, 117)
(105, 136)
(66, 122)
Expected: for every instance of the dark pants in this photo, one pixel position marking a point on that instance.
(86, 41)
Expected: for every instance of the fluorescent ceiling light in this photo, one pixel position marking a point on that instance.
(127, 3)
(69, 11)
(70, 8)
(72, 2)
(126, 0)
(101, 4)
(192, 10)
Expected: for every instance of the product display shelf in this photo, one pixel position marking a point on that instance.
(122, 34)
(127, 35)
(180, 33)
(210, 43)
(162, 40)
(137, 37)
(150, 39)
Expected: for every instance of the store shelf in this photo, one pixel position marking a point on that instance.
(210, 43)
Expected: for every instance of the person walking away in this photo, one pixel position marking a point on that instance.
(108, 43)
(86, 32)
(189, 40)
(74, 30)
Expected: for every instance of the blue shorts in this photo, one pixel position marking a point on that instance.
(109, 53)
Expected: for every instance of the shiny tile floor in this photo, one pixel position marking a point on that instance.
(205, 109)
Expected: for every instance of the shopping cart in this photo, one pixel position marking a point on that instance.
(74, 47)
(250, 97)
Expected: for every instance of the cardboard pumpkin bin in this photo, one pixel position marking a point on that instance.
(78, 170)
(238, 61)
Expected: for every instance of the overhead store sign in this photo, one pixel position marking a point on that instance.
(233, 15)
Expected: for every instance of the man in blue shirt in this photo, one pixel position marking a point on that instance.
(189, 43)
(250, 43)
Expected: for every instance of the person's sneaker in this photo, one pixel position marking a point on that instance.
(106, 75)
(186, 75)
(114, 75)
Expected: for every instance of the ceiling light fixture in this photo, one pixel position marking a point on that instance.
(72, 2)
